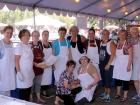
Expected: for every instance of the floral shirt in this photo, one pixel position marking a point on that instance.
(61, 90)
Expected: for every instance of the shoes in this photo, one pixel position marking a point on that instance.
(117, 96)
(107, 99)
(135, 97)
(102, 96)
(123, 99)
(137, 101)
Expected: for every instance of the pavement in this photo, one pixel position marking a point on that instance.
(97, 101)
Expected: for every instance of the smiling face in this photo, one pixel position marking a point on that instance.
(35, 36)
(122, 35)
(105, 35)
(25, 37)
(45, 35)
(8, 34)
(84, 60)
(91, 34)
(134, 31)
(74, 30)
(62, 34)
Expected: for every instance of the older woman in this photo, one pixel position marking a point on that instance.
(24, 65)
(122, 67)
(66, 84)
(88, 77)
(78, 45)
(136, 61)
(7, 62)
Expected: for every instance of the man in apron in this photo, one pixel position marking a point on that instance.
(7, 63)
(136, 62)
(93, 48)
(61, 49)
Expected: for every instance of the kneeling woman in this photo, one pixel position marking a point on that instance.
(89, 78)
(67, 86)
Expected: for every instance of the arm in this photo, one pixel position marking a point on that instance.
(17, 59)
(113, 52)
(70, 54)
(93, 72)
(130, 52)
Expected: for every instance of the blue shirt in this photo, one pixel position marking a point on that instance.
(56, 47)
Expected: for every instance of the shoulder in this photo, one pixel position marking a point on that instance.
(92, 69)
(54, 42)
(112, 44)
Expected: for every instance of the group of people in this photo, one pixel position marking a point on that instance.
(78, 64)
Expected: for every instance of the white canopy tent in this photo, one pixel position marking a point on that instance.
(41, 20)
(2, 24)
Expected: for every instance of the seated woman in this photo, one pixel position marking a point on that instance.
(89, 78)
(67, 86)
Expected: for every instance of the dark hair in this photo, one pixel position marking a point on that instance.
(62, 29)
(45, 31)
(71, 62)
(91, 29)
(86, 57)
(22, 33)
(8, 27)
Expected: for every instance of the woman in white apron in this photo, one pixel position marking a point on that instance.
(86, 73)
(47, 50)
(122, 67)
(61, 49)
(92, 49)
(77, 46)
(24, 65)
(7, 63)
(136, 61)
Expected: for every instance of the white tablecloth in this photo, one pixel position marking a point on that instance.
(4, 100)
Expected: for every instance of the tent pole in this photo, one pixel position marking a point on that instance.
(34, 19)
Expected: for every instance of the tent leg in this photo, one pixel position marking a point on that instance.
(34, 19)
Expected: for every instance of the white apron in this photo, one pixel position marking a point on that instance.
(60, 64)
(76, 55)
(92, 53)
(85, 80)
(7, 68)
(120, 66)
(26, 67)
(47, 75)
(136, 62)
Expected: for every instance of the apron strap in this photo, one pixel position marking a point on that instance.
(60, 43)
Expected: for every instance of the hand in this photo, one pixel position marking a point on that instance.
(89, 87)
(41, 65)
(20, 76)
(107, 67)
(128, 68)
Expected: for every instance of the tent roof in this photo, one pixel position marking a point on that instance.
(87, 7)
